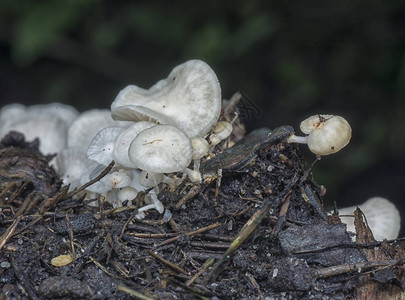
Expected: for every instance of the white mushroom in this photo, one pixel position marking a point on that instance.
(189, 98)
(124, 140)
(200, 147)
(126, 194)
(10, 113)
(327, 134)
(382, 216)
(118, 179)
(101, 148)
(72, 164)
(220, 132)
(150, 179)
(65, 113)
(161, 149)
(50, 130)
(85, 127)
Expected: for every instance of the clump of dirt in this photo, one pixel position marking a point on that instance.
(254, 228)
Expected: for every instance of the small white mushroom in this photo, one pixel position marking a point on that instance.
(382, 216)
(327, 134)
(101, 148)
(150, 179)
(72, 164)
(161, 149)
(118, 179)
(220, 132)
(189, 98)
(124, 140)
(126, 194)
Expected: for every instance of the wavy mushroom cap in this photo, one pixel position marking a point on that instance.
(189, 98)
(161, 149)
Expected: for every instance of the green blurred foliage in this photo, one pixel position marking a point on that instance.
(293, 59)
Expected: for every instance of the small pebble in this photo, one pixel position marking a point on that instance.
(5, 264)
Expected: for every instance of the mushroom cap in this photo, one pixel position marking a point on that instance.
(72, 163)
(65, 113)
(127, 193)
(327, 133)
(118, 179)
(85, 127)
(101, 148)
(150, 179)
(189, 98)
(222, 129)
(124, 140)
(11, 112)
(48, 128)
(161, 149)
(382, 216)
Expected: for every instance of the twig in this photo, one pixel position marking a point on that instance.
(203, 229)
(346, 268)
(141, 195)
(134, 293)
(208, 263)
(172, 266)
(191, 193)
(9, 232)
(283, 214)
(48, 203)
(247, 229)
(71, 236)
(30, 224)
(350, 245)
(84, 186)
(254, 283)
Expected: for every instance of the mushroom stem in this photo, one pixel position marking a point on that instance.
(194, 175)
(297, 139)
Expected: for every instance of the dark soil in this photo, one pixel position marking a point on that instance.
(264, 213)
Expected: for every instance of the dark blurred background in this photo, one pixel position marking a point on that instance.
(292, 59)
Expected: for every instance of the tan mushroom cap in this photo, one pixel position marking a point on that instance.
(328, 134)
(189, 98)
(161, 149)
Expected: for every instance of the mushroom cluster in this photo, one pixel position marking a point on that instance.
(152, 135)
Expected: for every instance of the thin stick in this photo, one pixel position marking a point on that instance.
(247, 229)
(208, 263)
(346, 268)
(172, 266)
(134, 293)
(9, 232)
(86, 185)
(71, 236)
(203, 229)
